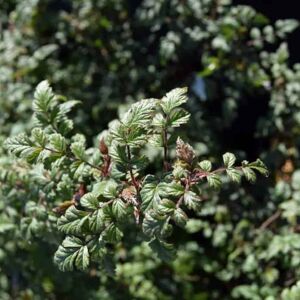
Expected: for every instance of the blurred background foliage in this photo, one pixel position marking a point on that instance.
(245, 98)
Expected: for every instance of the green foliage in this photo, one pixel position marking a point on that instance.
(237, 243)
(100, 217)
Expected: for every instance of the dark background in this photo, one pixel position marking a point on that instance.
(280, 9)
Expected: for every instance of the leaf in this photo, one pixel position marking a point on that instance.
(153, 224)
(214, 180)
(73, 221)
(156, 140)
(173, 99)
(159, 121)
(118, 153)
(178, 117)
(90, 201)
(234, 175)
(96, 221)
(150, 193)
(39, 137)
(132, 136)
(110, 190)
(259, 166)
(205, 165)
(140, 114)
(119, 209)
(58, 142)
(180, 217)
(229, 159)
(98, 188)
(249, 174)
(164, 251)
(170, 189)
(44, 98)
(191, 200)
(78, 149)
(66, 107)
(166, 206)
(112, 234)
(72, 254)
(20, 145)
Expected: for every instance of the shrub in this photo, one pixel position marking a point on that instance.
(244, 95)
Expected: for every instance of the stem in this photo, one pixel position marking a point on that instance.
(165, 144)
(135, 183)
(270, 220)
(179, 202)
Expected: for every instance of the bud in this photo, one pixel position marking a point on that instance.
(184, 151)
(102, 147)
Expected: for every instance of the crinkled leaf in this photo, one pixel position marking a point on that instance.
(150, 193)
(234, 175)
(72, 254)
(164, 251)
(73, 221)
(90, 201)
(173, 99)
(214, 180)
(229, 159)
(205, 165)
(191, 200)
(166, 206)
(180, 217)
(170, 189)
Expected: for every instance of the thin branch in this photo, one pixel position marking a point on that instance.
(135, 183)
(165, 145)
(270, 220)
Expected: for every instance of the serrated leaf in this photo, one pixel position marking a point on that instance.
(159, 121)
(164, 251)
(140, 114)
(214, 180)
(119, 209)
(229, 159)
(67, 106)
(132, 136)
(39, 137)
(110, 190)
(43, 98)
(205, 165)
(173, 99)
(180, 217)
(259, 166)
(153, 224)
(178, 117)
(166, 206)
(78, 149)
(150, 193)
(58, 142)
(112, 233)
(170, 189)
(90, 201)
(73, 221)
(234, 175)
(72, 254)
(96, 221)
(118, 153)
(20, 145)
(191, 200)
(249, 174)
(156, 140)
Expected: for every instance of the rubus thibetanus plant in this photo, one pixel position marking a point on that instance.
(113, 194)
